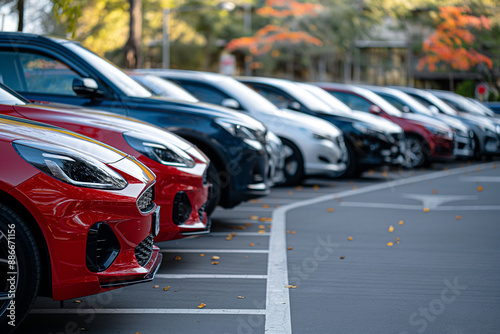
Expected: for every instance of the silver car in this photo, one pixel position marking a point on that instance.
(312, 146)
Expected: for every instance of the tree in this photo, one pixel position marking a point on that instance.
(453, 41)
(133, 45)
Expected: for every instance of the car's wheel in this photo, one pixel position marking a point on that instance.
(476, 148)
(20, 269)
(294, 164)
(415, 152)
(214, 194)
(351, 162)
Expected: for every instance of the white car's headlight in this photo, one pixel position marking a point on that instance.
(164, 152)
(69, 166)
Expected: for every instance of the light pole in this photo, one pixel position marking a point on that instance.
(224, 5)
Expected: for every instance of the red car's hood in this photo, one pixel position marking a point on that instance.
(61, 113)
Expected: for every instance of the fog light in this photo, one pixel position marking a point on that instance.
(102, 247)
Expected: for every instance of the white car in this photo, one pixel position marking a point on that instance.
(312, 146)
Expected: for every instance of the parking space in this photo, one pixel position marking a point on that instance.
(327, 242)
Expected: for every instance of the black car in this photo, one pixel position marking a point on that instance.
(370, 141)
(55, 70)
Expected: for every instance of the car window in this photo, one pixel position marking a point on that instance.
(421, 100)
(38, 73)
(395, 102)
(353, 101)
(203, 92)
(278, 98)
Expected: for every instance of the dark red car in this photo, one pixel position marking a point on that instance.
(427, 139)
(181, 186)
(77, 217)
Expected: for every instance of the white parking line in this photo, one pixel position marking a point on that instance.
(277, 296)
(183, 276)
(236, 251)
(239, 234)
(147, 311)
(480, 179)
(420, 207)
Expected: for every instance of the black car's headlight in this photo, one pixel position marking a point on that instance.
(368, 130)
(69, 166)
(249, 136)
(164, 152)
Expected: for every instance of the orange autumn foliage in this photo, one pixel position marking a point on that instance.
(266, 38)
(452, 41)
(284, 8)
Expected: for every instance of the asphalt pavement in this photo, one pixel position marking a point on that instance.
(393, 252)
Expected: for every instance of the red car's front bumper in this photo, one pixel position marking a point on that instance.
(67, 215)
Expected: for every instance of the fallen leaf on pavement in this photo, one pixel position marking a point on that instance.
(401, 222)
(480, 188)
(265, 206)
(291, 286)
(156, 287)
(342, 257)
(177, 258)
(202, 305)
(253, 217)
(215, 262)
(434, 191)
(202, 254)
(458, 217)
(330, 209)
(261, 231)
(248, 224)
(262, 227)
(263, 219)
(252, 244)
(349, 238)
(166, 288)
(215, 257)
(290, 248)
(241, 297)
(390, 244)
(426, 209)
(391, 228)
(77, 301)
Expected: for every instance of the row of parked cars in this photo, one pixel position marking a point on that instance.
(99, 164)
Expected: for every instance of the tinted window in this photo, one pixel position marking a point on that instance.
(353, 101)
(203, 92)
(36, 73)
(279, 99)
(395, 102)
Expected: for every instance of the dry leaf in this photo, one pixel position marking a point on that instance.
(253, 217)
(269, 226)
(241, 227)
(290, 248)
(229, 237)
(401, 222)
(458, 217)
(265, 206)
(262, 227)
(298, 188)
(252, 244)
(291, 286)
(202, 305)
(215, 262)
(384, 173)
(166, 288)
(77, 301)
(434, 191)
(330, 209)
(269, 219)
(390, 244)
(202, 254)
(176, 290)
(342, 258)
(261, 231)
(263, 219)
(480, 188)
(288, 232)
(349, 238)
(397, 239)
(315, 187)
(177, 258)
(391, 228)
(293, 232)
(248, 224)
(156, 287)
(253, 201)
(241, 297)
(215, 257)
(426, 209)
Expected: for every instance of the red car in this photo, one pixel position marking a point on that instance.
(427, 139)
(77, 217)
(180, 168)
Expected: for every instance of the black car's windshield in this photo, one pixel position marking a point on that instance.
(309, 100)
(126, 84)
(247, 97)
(164, 87)
(338, 106)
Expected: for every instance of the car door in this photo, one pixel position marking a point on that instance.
(44, 76)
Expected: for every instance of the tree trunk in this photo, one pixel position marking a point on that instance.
(20, 11)
(133, 57)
